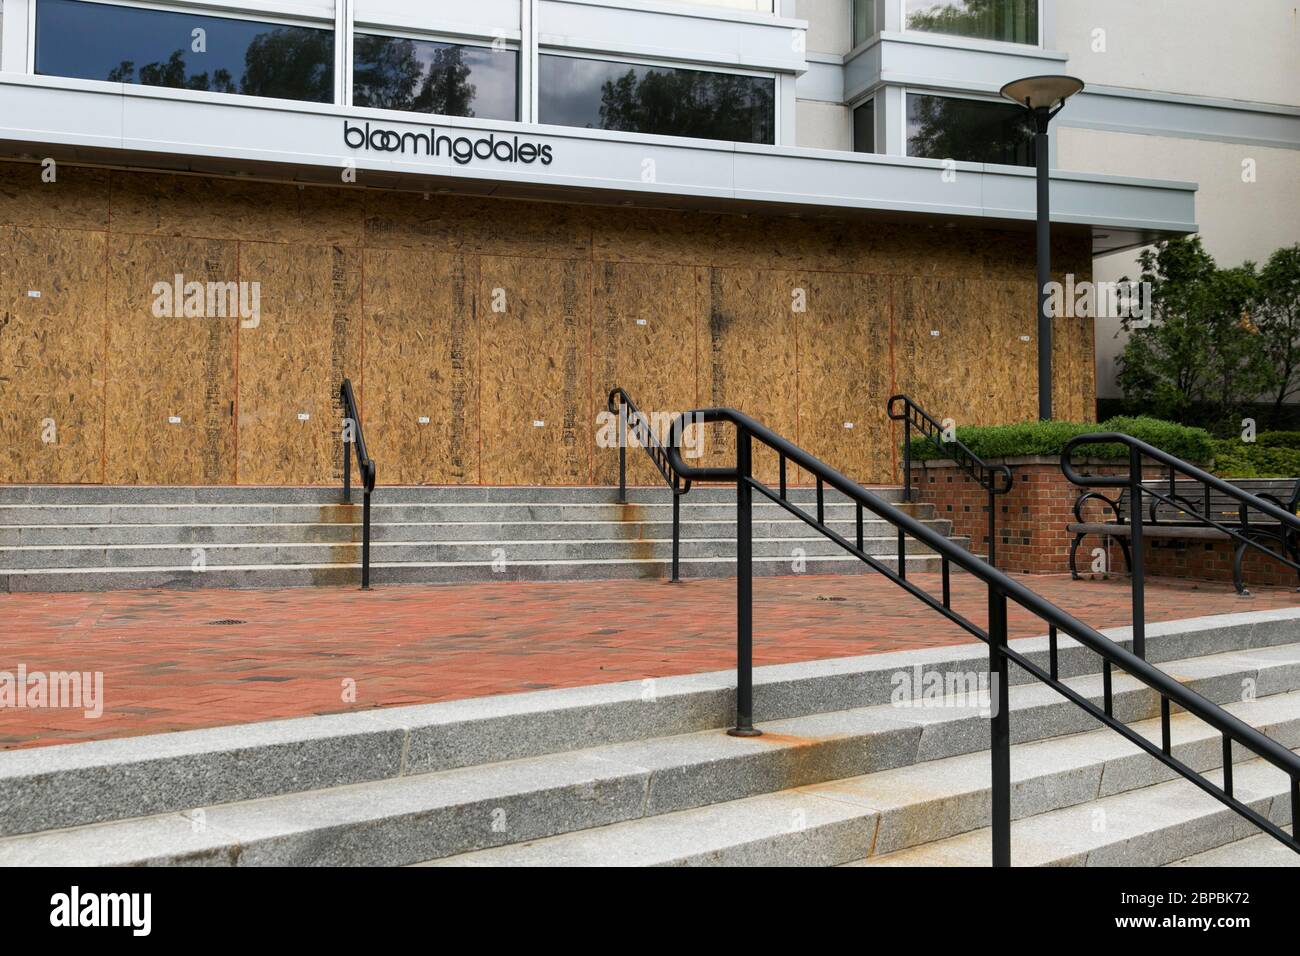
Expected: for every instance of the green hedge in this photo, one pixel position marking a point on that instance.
(1234, 458)
(1046, 439)
(1289, 440)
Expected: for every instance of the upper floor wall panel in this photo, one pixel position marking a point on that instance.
(1209, 48)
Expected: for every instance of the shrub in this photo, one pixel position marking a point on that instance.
(1025, 439)
(1279, 440)
(1234, 458)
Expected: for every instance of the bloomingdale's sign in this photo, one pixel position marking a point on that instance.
(462, 149)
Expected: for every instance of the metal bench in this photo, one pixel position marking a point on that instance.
(1193, 511)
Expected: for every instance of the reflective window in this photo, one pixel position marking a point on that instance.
(947, 127)
(426, 76)
(1014, 21)
(635, 98)
(864, 128)
(97, 41)
(864, 21)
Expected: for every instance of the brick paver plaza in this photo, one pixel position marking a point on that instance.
(178, 660)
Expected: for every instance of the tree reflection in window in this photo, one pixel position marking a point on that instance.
(946, 127)
(427, 76)
(96, 41)
(651, 99)
(1012, 21)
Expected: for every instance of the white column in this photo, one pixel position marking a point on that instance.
(17, 32)
(528, 10)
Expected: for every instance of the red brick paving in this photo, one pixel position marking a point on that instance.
(168, 667)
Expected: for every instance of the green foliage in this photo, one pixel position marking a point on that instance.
(1203, 346)
(1279, 440)
(1028, 439)
(1234, 458)
(1278, 317)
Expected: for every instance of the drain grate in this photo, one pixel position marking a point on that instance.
(225, 623)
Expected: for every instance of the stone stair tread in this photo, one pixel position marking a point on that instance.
(892, 808)
(1150, 826)
(1258, 850)
(602, 785)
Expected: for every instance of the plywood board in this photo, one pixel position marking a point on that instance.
(61, 196)
(534, 320)
(171, 377)
(844, 373)
(747, 357)
(292, 359)
(178, 205)
(420, 400)
(645, 329)
(51, 355)
(965, 348)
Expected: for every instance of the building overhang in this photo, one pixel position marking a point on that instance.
(153, 128)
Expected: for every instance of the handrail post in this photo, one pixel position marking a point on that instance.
(993, 529)
(1000, 729)
(1136, 568)
(622, 452)
(907, 456)
(347, 464)
(744, 591)
(677, 528)
(365, 541)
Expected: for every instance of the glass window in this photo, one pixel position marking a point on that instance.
(189, 51)
(1014, 21)
(864, 128)
(426, 76)
(634, 98)
(947, 127)
(864, 21)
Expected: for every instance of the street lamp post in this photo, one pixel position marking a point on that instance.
(1043, 96)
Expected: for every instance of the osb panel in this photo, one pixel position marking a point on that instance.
(651, 235)
(844, 376)
(174, 205)
(77, 198)
(162, 367)
(1074, 362)
(513, 228)
(397, 220)
(420, 402)
(747, 357)
(534, 324)
(1074, 370)
(292, 359)
(978, 369)
(644, 335)
(51, 355)
(471, 225)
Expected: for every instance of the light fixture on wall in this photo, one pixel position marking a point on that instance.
(1043, 96)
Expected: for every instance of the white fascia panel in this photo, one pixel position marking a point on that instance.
(482, 19)
(681, 33)
(310, 137)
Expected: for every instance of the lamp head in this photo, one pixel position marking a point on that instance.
(1042, 92)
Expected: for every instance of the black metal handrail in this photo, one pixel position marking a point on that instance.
(994, 479)
(355, 435)
(1001, 588)
(620, 403)
(1139, 452)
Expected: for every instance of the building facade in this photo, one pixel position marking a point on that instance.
(488, 215)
